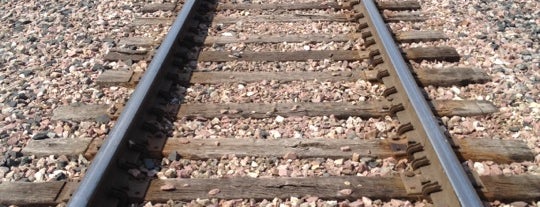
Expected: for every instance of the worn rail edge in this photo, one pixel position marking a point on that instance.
(93, 186)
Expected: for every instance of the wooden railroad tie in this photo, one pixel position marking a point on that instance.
(391, 17)
(434, 77)
(365, 109)
(502, 188)
(416, 54)
(388, 5)
(405, 37)
(499, 151)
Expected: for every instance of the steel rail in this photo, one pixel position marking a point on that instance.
(462, 186)
(85, 193)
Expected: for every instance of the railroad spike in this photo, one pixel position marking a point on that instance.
(350, 4)
(382, 73)
(374, 53)
(355, 16)
(396, 108)
(430, 187)
(362, 25)
(419, 162)
(376, 60)
(403, 128)
(369, 41)
(389, 91)
(414, 147)
(366, 34)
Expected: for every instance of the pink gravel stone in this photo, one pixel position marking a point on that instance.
(395, 202)
(16, 149)
(214, 191)
(345, 148)
(282, 171)
(167, 187)
(357, 203)
(290, 155)
(345, 192)
(312, 199)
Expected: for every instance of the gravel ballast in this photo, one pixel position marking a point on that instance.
(51, 54)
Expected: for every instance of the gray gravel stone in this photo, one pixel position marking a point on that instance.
(41, 135)
(173, 156)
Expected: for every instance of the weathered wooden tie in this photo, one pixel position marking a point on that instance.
(500, 188)
(419, 54)
(221, 40)
(434, 77)
(405, 17)
(36, 194)
(224, 56)
(154, 7)
(415, 54)
(115, 56)
(451, 76)
(70, 147)
(126, 78)
(389, 5)
(393, 17)
(499, 151)
(80, 112)
(270, 6)
(282, 77)
(420, 36)
(399, 5)
(220, 19)
(141, 21)
(338, 109)
(138, 41)
(405, 37)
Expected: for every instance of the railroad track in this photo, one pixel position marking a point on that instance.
(125, 170)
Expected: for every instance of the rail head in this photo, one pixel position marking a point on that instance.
(423, 115)
(93, 183)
